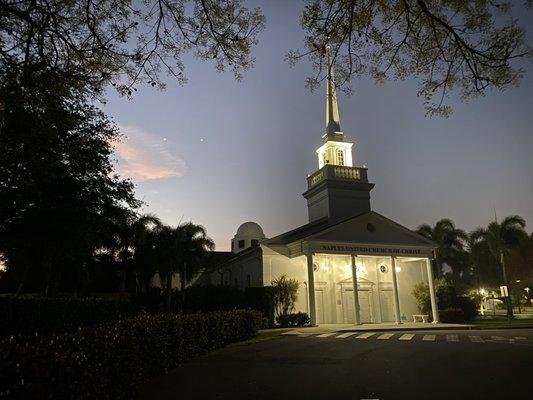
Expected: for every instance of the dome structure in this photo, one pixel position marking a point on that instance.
(248, 234)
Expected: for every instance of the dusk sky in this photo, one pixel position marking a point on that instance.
(219, 152)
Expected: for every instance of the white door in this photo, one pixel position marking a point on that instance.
(364, 306)
(387, 304)
(319, 304)
(348, 307)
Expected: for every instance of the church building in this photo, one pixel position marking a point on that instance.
(353, 265)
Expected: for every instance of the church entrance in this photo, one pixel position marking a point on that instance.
(365, 306)
(387, 305)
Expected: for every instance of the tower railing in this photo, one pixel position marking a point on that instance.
(337, 172)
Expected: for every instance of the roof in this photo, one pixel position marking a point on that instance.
(369, 227)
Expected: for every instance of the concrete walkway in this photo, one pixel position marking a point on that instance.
(407, 326)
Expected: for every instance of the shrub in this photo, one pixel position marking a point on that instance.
(285, 294)
(423, 299)
(296, 319)
(28, 316)
(260, 299)
(468, 306)
(452, 315)
(445, 292)
(112, 359)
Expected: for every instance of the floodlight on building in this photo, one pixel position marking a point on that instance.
(361, 269)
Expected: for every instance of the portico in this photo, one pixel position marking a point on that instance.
(334, 298)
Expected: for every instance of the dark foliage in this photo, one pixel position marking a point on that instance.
(452, 315)
(29, 317)
(58, 191)
(111, 360)
(296, 319)
(468, 306)
(220, 298)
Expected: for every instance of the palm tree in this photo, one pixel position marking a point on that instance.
(180, 250)
(451, 243)
(194, 243)
(131, 233)
(500, 239)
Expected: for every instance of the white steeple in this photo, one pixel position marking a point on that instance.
(333, 122)
(335, 150)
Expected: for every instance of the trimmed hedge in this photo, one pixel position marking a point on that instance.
(452, 315)
(30, 316)
(295, 319)
(110, 361)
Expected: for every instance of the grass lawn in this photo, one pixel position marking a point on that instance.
(500, 322)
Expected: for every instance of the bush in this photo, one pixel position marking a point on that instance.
(296, 319)
(224, 298)
(112, 359)
(468, 306)
(452, 315)
(28, 316)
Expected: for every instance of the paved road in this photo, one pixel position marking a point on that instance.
(488, 364)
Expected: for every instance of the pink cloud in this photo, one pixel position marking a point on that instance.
(144, 156)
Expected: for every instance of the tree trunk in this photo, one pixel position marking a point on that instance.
(169, 293)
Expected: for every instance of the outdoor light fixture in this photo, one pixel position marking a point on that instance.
(398, 269)
(361, 269)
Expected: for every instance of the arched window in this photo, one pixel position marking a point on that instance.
(340, 157)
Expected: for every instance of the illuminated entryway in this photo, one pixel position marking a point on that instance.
(383, 295)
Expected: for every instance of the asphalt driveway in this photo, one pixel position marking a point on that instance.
(384, 365)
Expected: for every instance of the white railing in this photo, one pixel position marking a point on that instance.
(347, 173)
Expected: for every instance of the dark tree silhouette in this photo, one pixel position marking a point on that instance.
(445, 45)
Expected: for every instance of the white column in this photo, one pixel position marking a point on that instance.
(397, 314)
(431, 284)
(355, 292)
(311, 289)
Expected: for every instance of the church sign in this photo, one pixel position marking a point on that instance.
(374, 250)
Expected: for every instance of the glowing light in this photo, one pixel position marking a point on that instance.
(482, 291)
(325, 268)
(398, 269)
(360, 269)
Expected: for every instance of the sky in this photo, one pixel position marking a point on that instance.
(220, 152)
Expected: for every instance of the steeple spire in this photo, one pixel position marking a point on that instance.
(333, 122)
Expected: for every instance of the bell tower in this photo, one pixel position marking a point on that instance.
(338, 190)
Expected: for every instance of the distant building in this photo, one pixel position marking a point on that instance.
(353, 264)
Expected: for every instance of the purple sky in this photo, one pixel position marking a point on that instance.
(220, 152)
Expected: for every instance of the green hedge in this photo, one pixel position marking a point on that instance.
(110, 361)
(28, 316)
(452, 315)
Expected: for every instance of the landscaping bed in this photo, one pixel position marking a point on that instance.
(109, 361)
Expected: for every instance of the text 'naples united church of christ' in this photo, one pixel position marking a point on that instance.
(353, 264)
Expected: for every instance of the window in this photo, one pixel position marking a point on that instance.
(241, 244)
(340, 156)
(325, 158)
(255, 242)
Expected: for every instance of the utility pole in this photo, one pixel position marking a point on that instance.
(506, 283)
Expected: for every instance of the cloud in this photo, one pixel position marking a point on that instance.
(143, 156)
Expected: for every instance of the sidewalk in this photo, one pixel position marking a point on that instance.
(407, 326)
